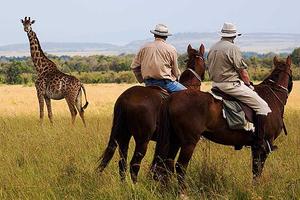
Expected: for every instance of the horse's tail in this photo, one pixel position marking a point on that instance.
(86, 102)
(163, 138)
(117, 128)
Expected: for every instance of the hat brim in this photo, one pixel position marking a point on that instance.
(229, 34)
(160, 33)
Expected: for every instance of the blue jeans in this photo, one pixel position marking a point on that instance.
(170, 86)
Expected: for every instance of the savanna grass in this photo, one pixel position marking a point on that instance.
(58, 161)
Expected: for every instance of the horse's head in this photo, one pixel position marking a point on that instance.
(196, 60)
(282, 74)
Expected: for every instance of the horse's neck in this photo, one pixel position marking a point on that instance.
(189, 79)
(276, 99)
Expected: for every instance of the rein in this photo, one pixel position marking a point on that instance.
(195, 74)
(275, 95)
(280, 90)
(285, 89)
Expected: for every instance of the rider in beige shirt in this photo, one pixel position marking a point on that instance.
(227, 70)
(225, 60)
(156, 62)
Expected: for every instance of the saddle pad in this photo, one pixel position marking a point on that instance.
(234, 114)
(249, 113)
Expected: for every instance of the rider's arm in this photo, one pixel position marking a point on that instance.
(136, 67)
(175, 69)
(244, 76)
(240, 65)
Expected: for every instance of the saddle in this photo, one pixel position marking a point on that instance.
(249, 112)
(163, 92)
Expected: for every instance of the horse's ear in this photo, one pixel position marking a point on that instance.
(289, 60)
(202, 49)
(275, 60)
(189, 49)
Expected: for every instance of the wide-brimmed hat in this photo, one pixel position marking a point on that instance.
(229, 30)
(161, 30)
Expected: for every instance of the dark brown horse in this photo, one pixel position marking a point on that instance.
(136, 114)
(190, 114)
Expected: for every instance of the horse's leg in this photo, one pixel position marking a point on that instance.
(139, 153)
(259, 157)
(185, 155)
(123, 143)
(174, 148)
(48, 104)
(168, 171)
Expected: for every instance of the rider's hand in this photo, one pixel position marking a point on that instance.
(251, 87)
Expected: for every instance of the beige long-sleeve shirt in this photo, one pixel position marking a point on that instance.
(157, 60)
(224, 61)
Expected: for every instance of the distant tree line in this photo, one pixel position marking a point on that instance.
(116, 69)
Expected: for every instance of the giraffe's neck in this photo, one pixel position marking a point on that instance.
(40, 61)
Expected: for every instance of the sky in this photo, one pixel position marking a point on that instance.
(120, 22)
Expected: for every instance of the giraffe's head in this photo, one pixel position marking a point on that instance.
(27, 24)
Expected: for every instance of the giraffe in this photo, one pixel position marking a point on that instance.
(52, 83)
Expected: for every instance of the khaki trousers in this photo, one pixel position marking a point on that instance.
(245, 94)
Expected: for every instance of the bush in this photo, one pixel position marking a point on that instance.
(13, 75)
(106, 77)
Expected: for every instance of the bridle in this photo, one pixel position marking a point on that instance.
(279, 87)
(193, 71)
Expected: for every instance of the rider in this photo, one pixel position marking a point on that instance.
(156, 62)
(228, 71)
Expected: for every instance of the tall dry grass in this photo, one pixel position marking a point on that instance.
(58, 161)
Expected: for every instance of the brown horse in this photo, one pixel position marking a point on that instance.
(136, 114)
(190, 114)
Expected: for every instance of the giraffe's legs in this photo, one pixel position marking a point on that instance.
(78, 105)
(41, 105)
(72, 109)
(48, 104)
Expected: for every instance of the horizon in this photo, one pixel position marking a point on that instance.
(119, 22)
(142, 39)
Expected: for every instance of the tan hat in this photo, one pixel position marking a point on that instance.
(229, 30)
(161, 30)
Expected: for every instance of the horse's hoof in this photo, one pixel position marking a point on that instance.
(256, 180)
(274, 147)
(183, 197)
(134, 179)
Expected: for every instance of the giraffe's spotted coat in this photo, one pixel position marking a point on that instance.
(52, 83)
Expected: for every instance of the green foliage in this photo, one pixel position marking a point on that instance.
(116, 69)
(106, 77)
(13, 73)
(296, 56)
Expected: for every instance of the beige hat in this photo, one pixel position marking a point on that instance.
(161, 29)
(229, 30)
